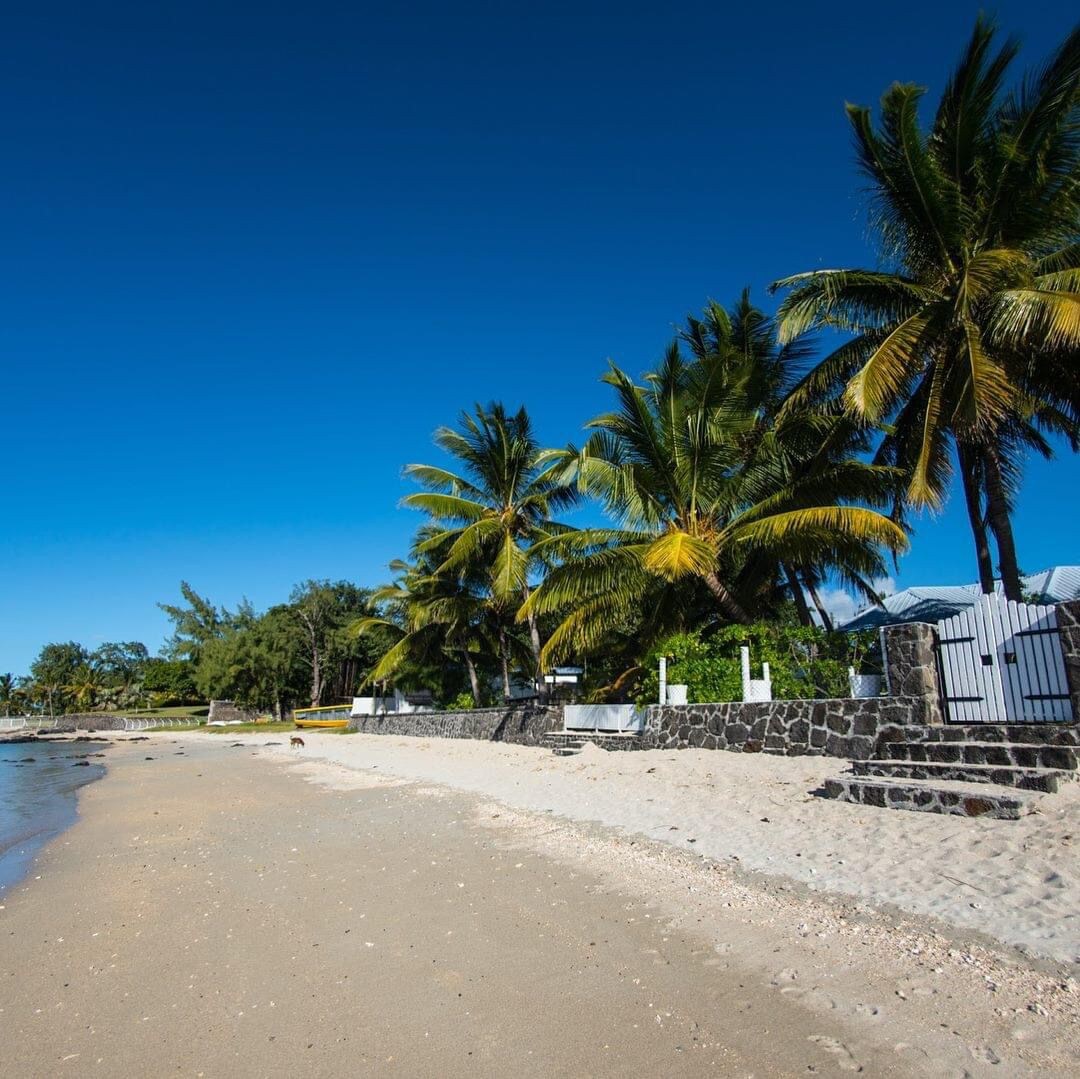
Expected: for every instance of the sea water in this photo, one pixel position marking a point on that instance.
(38, 790)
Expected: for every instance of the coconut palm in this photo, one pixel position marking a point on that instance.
(966, 341)
(86, 685)
(747, 337)
(491, 518)
(427, 616)
(7, 692)
(706, 493)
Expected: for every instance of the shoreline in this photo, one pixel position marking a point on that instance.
(45, 815)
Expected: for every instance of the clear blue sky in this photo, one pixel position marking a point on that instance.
(253, 254)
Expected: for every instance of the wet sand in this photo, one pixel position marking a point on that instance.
(217, 911)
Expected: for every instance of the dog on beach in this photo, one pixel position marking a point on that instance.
(296, 741)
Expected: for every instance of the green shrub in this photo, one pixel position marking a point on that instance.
(805, 663)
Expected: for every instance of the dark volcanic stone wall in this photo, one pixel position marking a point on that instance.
(842, 727)
(1068, 617)
(526, 726)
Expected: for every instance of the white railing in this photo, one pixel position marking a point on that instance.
(152, 723)
(615, 718)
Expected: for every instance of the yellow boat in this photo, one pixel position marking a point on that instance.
(330, 717)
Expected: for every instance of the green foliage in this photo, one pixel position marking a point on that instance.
(460, 703)
(804, 662)
(170, 681)
(195, 625)
(120, 662)
(489, 521)
(964, 342)
(706, 491)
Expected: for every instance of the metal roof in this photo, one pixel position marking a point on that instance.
(933, 603)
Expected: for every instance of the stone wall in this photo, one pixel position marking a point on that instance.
(911, 669)
(94, 721)
(840, 727)
(228, 712)
(523, 725)
(1068, 617)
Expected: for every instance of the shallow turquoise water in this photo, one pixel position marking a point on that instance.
(38, 798)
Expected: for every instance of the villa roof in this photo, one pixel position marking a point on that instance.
(934, 602)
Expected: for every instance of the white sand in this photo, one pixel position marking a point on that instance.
(1013, 880)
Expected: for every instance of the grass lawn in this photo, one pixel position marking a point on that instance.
(271, 728)
(178, 711)
(252, 728)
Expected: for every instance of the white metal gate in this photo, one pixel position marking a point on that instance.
(1001, 662)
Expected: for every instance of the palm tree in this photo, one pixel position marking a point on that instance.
(7, 692)
(428, 616)
(491, 519)
(85, 686)
(705, 491)
(967, 339)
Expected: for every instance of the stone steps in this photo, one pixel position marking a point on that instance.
(1006, 754)
(1042, 734)
(1045, 780)
(933, 796)
(568, 743)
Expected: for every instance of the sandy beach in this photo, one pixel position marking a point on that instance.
(377, 905)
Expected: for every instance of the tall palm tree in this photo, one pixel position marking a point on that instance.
(491, 518)
(7, 692)
(706, 492)
(966, 341)
(430, 616)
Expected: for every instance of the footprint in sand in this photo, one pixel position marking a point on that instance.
(984, 1053)
(912, 988)
(785, 979)
(844, 1057)
(867, 1011)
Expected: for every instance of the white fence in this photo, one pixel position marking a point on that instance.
(616, 718)
(131, 723)
(1001, 662)
(23, 723)
(158, 723)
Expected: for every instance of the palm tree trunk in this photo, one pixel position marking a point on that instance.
(534, 638)
(975, 517)
(728, 604)
(504, 656)
(474, 678)
(798, 596)
(997, 511)
(826, 618)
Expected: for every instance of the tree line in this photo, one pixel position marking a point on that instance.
(298, 653)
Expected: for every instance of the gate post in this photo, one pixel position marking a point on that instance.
(1068, 620)
(911, 667)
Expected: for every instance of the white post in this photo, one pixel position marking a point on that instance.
(765, 677)
(663, 680)
(744, 656)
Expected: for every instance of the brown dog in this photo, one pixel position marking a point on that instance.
(296, 741)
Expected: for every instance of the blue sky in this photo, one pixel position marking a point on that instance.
(252, 257)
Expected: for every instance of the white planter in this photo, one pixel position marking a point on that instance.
(865, 685)
(676, 694)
